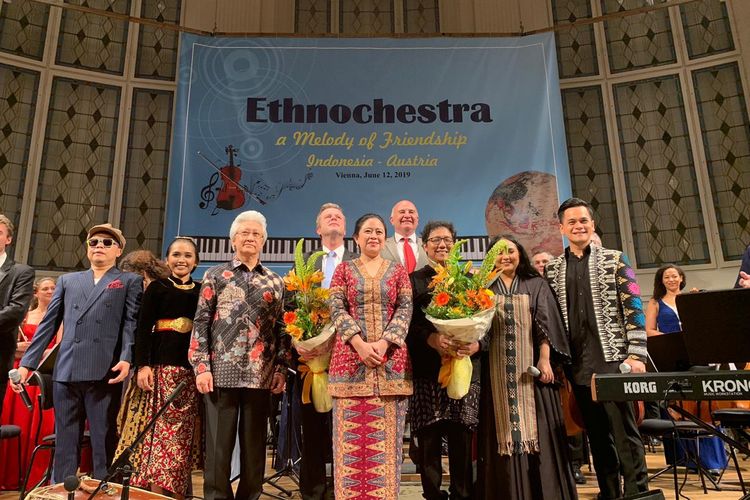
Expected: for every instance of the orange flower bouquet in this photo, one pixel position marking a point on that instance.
(462, 308)
(310, 327)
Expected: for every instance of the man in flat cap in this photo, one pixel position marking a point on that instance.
(98, 309)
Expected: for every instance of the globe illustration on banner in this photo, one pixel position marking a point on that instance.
(525, 207)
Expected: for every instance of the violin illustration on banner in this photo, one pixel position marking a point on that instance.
(226, 191)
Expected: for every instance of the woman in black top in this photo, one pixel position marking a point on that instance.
(169, 453)
(432, 414)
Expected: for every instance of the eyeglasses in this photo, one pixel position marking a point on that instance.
(250, 234)
(106, 242)
(437, 239)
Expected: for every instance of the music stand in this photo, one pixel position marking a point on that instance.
(716, 330)
(716, 325)
(668, 352)
(47, 364)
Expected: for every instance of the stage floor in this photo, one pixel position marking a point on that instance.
(411, 489)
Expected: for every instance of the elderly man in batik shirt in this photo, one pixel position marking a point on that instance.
(236, 351)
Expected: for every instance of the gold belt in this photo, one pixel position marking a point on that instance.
(181, 325)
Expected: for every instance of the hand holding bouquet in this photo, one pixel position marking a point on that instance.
(310, 327)
(462, 308)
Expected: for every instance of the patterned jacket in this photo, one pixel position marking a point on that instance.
(237, 327)
(617, 302)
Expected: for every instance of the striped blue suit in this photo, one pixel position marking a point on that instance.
(99, 323)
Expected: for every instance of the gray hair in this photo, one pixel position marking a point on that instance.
(326, 206)
(541, 252)
(248, 216)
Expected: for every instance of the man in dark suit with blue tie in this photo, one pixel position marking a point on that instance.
(16, 289)
(316, 427)
(98, 309)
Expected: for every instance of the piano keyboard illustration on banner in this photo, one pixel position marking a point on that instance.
(281, 250)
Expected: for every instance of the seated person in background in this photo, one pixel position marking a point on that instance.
(661, 311)
(14, 409)
(661, 318)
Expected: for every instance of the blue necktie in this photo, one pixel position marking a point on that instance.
(328, 271)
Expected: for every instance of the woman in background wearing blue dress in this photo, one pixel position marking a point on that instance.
(662, 318)
(661, 312)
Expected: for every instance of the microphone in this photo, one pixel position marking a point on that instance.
(15, 377)
(625, 368)
(533, 371)
(71, 484)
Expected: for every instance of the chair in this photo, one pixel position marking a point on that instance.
(736, 419)
(689, 434)
(13, 432)
(44, 402)
(661, 428)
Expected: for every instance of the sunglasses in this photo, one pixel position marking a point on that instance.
(106, 242)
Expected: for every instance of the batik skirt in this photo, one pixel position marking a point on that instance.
(367, 446)
(173, 449)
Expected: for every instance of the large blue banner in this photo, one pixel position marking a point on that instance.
(470, 130)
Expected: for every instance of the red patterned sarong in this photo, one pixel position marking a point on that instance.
(171, 451)
(367, 446)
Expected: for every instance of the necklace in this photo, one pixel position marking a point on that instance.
(180, 286)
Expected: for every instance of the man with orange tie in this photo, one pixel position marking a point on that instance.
(404, 246)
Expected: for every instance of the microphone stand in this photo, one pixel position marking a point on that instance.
(122, 463)
(288, 469)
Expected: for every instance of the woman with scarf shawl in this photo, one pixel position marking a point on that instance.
(523, 452)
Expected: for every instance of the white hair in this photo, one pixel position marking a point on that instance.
(248, 216)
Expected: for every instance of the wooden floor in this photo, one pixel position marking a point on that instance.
(411, 489)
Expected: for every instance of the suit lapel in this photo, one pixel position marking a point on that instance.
(5, 269)
(390, 247)
(100, 287)
(422, 259)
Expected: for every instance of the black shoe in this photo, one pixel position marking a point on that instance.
(578, 475)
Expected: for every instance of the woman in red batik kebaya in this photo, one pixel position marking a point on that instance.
(370, 372)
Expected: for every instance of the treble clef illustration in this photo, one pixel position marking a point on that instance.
(207, 191)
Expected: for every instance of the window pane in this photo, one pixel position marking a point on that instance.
(576, 48)
(146, 171)
(94, 42)
(18, 93)
(665, 209)
(638, 40)
(23, 28)
(421, 16)
(366, 16)
(76, 175)
(591, 173)
(312, 16)
(157, 48)
(707, 28)
(726, 138)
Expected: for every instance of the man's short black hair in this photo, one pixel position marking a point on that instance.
(572, 203)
